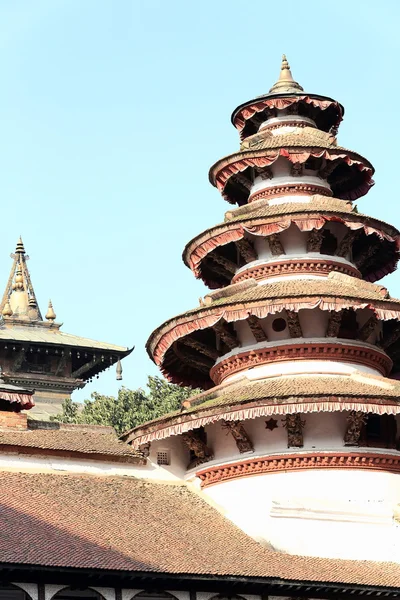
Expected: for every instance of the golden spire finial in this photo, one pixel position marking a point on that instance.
(286, 83)
(50, 315)
(7, 312)
(20, 247)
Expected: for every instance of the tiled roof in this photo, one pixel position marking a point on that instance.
(306, 137)
(277, 390)
(90, 442)
(317, 204)
(126, 524)
(45, 335)
(335, 285)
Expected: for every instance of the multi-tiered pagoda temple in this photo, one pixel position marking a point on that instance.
(295, 438)
(36, 354)
(297, 348)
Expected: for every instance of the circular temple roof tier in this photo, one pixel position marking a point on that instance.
(245, 399)
(287, 95)
(349, 174)
(186, 347)
(213, 254)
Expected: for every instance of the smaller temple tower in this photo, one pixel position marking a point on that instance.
(36, 354)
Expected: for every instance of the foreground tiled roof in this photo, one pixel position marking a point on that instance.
(127, 524)
(89, 442)
(278, 395)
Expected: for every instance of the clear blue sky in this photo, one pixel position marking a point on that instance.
(112, 112)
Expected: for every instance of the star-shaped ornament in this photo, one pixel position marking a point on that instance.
(271, 424)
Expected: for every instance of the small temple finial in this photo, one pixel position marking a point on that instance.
(285, 64)
(20, 247)
(50, 315)
(7, 312)
(285, 83)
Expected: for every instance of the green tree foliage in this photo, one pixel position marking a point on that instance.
(129, 409)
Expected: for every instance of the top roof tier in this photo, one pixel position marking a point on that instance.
(289, 148)
(287, 94)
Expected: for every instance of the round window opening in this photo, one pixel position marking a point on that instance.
(278, 324)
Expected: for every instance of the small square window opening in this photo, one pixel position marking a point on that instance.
(163, 457)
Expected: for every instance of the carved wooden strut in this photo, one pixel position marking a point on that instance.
(239, 434)
(256, 329)
(193, 441)
(355, 422)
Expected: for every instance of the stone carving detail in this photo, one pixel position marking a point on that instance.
(275, 245)
(145, 449)
(315, 239)
(294, 427)
(256, 329)
(355, 422)
(239, 434)
(293, 323)
(246, 249)
(193, 441)
(335, 320)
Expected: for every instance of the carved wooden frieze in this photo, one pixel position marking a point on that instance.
(294, 427)
(355, 422)
(239, 434)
